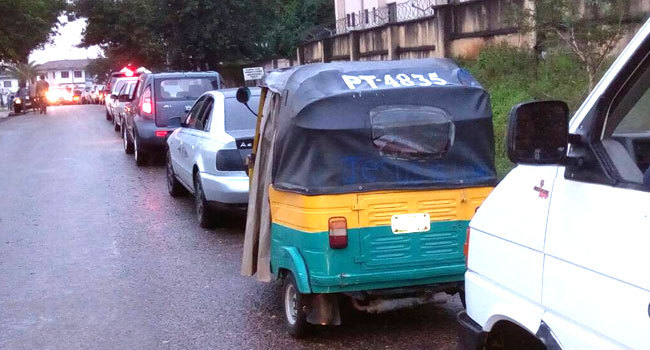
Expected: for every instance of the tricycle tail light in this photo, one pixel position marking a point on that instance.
(338, 232)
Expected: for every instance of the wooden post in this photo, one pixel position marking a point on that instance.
(392, 36)
(444, 30)
(300, 55)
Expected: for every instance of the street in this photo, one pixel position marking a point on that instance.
(94, 254)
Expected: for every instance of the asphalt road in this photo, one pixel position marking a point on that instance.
(95, 255)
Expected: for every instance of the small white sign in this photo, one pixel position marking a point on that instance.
(253, 73)
(409, 223)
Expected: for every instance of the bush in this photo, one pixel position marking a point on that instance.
(513, 75)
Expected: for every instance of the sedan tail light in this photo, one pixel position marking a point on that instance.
(338, 232)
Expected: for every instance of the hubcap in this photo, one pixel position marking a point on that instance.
(124, 138)
(135, 146)
(170, 174)
(290, 304)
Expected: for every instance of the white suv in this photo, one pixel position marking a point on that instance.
(559, 252)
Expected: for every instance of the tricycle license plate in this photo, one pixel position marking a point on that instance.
(409, 223)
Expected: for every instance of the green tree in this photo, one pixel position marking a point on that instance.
(26, 25)
(591, 29)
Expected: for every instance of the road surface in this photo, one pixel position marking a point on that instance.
(95, 255)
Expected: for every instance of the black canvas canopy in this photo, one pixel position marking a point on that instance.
(365, 126)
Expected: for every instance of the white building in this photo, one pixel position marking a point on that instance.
(67, 73)
(8, 83)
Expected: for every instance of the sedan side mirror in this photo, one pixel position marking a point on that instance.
(124, 98)
(114, 97)
(174, 122)
(243, 94)
(538, 133)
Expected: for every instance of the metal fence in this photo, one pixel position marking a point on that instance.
(392, 13)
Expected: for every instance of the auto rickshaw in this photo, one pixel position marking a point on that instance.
(364, 177)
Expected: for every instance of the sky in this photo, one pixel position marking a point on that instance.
(64, 44)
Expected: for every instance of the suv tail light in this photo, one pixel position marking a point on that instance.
(147, 106)
(338, 227)
(466, 245)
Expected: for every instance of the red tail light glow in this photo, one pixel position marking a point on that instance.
(466, 246)
(161, 133)
(338, 227)
(147, 107)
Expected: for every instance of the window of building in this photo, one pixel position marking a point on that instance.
(78, 74)
(65, 75)
(7, 84)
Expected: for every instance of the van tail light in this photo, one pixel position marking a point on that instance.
(147, 106)
(338, 227)
(466, 246)
(161, 133)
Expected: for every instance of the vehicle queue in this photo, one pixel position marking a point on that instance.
(371, 185)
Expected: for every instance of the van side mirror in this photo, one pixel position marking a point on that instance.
(243, 94)
(124, 98)
(538, 133)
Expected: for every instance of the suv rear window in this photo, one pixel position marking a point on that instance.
(238, 117)
(184, 89)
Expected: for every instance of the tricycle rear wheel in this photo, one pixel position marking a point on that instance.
(295, 319)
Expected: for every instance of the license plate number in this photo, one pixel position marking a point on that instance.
(410, 223)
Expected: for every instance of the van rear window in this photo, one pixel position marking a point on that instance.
(184, 89)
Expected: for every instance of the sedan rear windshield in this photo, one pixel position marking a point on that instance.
(184, 89)
(238, 117)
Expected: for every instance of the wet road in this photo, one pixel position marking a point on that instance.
(95, 255)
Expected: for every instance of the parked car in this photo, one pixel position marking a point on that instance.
(558, 253)
(121, 101)
(158, 98)
(129, 73)
(111, 100)
(206, 155)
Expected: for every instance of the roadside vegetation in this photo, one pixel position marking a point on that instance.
(513, 75)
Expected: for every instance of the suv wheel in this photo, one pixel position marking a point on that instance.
(174, 187)
(203, 213)
(141, 158)
(128, 145)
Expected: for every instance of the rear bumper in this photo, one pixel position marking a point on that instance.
(470, 334)
(147, 139)
(384, 280)
(225, 189)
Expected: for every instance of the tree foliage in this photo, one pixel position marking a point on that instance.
(591, 29)
(26, 25)
(197, 34)
(24, 72)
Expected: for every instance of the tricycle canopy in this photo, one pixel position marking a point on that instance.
(388, 125)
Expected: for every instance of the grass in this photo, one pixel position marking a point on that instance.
(513, 75)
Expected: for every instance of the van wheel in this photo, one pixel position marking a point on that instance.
(295, 319)
(174, 187)
(508, 336)
(203, 213)
(140, 157)
(128, 145)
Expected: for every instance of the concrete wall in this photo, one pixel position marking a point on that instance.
(461, 29)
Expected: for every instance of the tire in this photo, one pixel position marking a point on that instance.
(108, 116)
(295, 319)
(174, 187)
(116, 126)
(141, 158)
(18, 109)
(128, 144)
(203, 212)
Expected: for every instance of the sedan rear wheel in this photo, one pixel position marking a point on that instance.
(203, 213)
(116, 126)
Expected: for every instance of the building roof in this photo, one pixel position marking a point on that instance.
(64, 64)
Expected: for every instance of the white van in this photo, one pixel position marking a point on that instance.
(559, 253)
